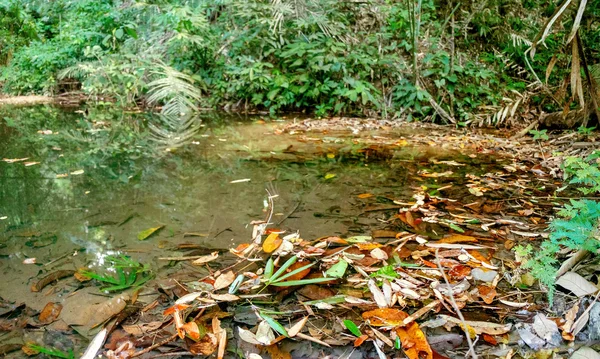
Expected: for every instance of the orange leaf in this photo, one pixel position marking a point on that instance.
(458, 272)
(487, 293)
(358, 341)
(272, 243)
(50, 312)
(239, 250)
(385, 316)
(299, 275)
(277, 353)
(368, 246)
(490, 339)
(192, 330)
(175, 308)
(206, 346)
(457, 238)
(414, 342)
(428, 263)
(477, 255)
(365, 195)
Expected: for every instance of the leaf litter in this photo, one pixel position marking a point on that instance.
(403, 288)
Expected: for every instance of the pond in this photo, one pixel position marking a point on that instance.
(78, 184)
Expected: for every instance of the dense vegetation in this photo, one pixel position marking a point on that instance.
(461, 60)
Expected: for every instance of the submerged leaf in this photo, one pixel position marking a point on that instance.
(148, 232)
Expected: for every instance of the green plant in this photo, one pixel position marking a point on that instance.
(586, 131)
(276, 279)
(539, 134)
(121, 273)
(577, 226)
(53, 352)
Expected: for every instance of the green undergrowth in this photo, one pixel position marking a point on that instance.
(577, 226)
(320, 56)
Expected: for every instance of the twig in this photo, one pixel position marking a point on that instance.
(154, 346)
(456, 309)
(289, 213)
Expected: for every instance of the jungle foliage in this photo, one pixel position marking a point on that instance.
(463, 60)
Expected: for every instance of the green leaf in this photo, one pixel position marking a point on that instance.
(302, 282)
(275, 325)
(269, 268)
(148, 232)
(337, 270)
(359, 239)
(296, 271)
(352, 327)
(119, 33)
(283, 268)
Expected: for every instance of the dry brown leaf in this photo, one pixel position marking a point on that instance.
(206, 346)
(272, 243)
(487, 293)
(277, 353)
(50, 312)
(225, 297)
(458, 238)
(224, 280)
(385, 316)
(205, 259)
(379, 254)
(296, 328)
(414, 342)
(459, 272)
(191, 329)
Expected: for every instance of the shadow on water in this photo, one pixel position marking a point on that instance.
(89, 182)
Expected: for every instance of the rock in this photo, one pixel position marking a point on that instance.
(529, 338)
(594, 323)
(484, 275)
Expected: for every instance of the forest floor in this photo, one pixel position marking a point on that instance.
(434, 276)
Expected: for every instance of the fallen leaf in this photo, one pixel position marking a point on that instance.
(207, 258)
(458, 272)
(385, 316)
(457, 238)
(225, 297)
(272, 243)
(576, 284)
(299, 275)
(378, 295)
(414, 342)
(365, 195)
(145, 234)
(296, 328)
(277, 353)
(477, 326)
(489, 339)
(360, 340)
(585, 353)
(224, 280)
(337, 270)
(487, 293)
(50, 312)
(379, 254)
(192, 330)
(206, 346)
(368, 246)
(352, 327)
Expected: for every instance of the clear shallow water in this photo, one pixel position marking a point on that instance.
(51, 210)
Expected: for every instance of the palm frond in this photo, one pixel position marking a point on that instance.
(172, 131)
(175, 90)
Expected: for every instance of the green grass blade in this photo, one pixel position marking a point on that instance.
(283, 268)
(294, 272)
(275, 325)
(302, 282)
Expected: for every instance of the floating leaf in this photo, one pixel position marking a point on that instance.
(148, 232)
(365, 195)
(50, 313)
(352, 327)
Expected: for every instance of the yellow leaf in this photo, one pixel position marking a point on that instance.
(414, 342)
(329, 176)
(148, 232)
(385, 317)
(272, 243)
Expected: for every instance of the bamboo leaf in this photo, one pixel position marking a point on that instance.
(302, 282)
(352, 327)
